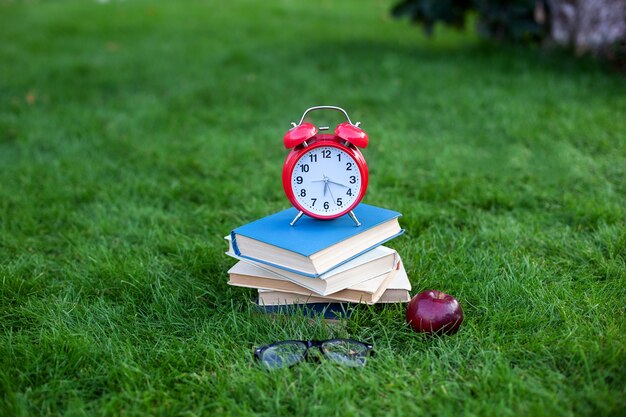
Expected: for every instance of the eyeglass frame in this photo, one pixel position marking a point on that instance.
(258, 352)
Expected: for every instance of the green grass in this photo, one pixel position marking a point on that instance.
(134, 135)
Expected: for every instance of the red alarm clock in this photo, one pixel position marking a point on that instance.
(325, 175)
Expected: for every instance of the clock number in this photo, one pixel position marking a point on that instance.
(303, 193)
(314, 200)
(304, 167)
(352, 179)
(339, 157)
(339, 203)
(299, 179)
(349, 192)
(348, 166)
(326, 153)
(326, 205)
(313, 157)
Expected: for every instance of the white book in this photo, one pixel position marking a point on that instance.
(397, 290)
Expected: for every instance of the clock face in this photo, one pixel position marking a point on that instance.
(326, 181)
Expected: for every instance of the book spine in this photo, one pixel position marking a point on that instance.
(233, 241)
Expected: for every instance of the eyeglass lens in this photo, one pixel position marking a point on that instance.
(283, 354)
(345, 352)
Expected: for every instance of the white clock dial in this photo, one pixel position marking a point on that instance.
(326, 181)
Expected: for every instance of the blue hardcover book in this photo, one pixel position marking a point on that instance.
(313, 247)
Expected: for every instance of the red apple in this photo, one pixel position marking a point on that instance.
(435, 312)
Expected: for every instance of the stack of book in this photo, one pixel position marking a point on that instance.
(320, 262)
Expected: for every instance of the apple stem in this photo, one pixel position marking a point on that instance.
(441, 296)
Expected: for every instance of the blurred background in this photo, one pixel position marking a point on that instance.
(187, 102)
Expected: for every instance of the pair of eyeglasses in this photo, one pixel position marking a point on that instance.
(287, 353)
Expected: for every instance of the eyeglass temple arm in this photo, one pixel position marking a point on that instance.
(257, 353)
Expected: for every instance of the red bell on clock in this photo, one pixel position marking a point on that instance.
(325, 175)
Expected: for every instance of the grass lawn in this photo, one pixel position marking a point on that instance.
(134, 135)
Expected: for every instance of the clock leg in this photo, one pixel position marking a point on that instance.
(353, 217)
(293, 222)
